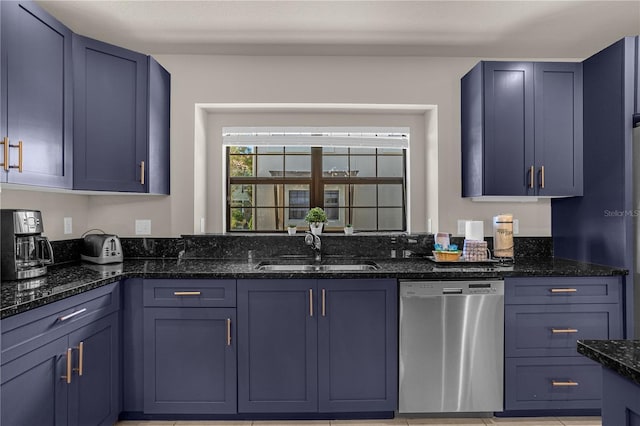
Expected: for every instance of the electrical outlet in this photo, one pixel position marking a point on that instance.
(461, 226)
(516, 227)
(202, 225)
(429, 226)
(143, 227)
(68, 225)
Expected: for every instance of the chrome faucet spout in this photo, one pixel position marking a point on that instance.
(316, 244)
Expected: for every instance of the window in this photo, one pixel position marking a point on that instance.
(271, 186)
(298, 204)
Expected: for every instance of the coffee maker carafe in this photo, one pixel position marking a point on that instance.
(25, 253)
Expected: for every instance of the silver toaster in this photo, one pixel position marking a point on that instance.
(101, 249)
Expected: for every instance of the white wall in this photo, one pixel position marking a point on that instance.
(289, 79)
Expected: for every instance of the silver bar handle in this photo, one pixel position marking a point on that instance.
(72, 314)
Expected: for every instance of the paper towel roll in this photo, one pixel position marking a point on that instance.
(474, 230)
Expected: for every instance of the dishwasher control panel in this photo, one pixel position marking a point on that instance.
(440, 288)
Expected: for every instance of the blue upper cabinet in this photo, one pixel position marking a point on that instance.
(158, 109)
(110, 117)
(558, 128)
(636, 120)
(522, 129)
(121, 119)
(36, 95)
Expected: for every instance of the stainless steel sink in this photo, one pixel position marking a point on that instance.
(310, 266)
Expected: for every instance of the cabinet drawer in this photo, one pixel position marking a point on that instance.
(562, 290)
(552, 383)
(553, 330)
(197, 293)
(26, 331)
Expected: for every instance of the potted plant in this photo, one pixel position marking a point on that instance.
(316, 218)
(348, 229)
(291, 229)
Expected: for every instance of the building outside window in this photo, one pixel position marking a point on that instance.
(273, 178)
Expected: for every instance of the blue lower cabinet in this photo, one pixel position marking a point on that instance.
(190, 360)
(310, 346)
(277, 346)
(620, 400)
(357, 345)
(32, 391)
(73, 380)
(544, 317)
(552, 383)
(94, 398)
(552, 330)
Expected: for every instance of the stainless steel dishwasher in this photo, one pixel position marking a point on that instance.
(451, 346)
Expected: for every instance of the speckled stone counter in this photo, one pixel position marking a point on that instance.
(622, 356)
(73, 278)
(620, 360)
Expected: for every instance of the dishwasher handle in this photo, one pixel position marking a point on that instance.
(451, 291)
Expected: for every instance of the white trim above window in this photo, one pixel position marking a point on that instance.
(365, 137)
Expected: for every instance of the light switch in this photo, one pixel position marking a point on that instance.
(516, 227)
(143, 227)
(68, 225)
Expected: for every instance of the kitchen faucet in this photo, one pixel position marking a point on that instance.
(314, 241)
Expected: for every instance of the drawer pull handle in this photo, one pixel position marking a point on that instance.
(564, 290)
(567, 383)
(564, 330)
(310, 302)
(80, 359)
(72, 314)
(324, 303)
(228, 331)
(67, 376)
(186, 293)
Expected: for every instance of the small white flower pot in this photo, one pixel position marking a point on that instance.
(348, 230)
(292, 231)
(316, 228)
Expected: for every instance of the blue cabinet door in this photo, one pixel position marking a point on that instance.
(637, 110)
(508, 128)
(522, 129)
(33, 391)
(110, 117)
(94, 393)
(558, 128)
(620, 400)
(36, 97)
(190, 360)
(159, 109)
(357, 345)
(277, 346)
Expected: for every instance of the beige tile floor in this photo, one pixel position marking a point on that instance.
(400, 421)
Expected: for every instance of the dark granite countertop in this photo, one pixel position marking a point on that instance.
(67, 280)
(622, 356)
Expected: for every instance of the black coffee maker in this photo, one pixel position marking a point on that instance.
(25, 253)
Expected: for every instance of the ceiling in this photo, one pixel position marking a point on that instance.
(491, 29)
